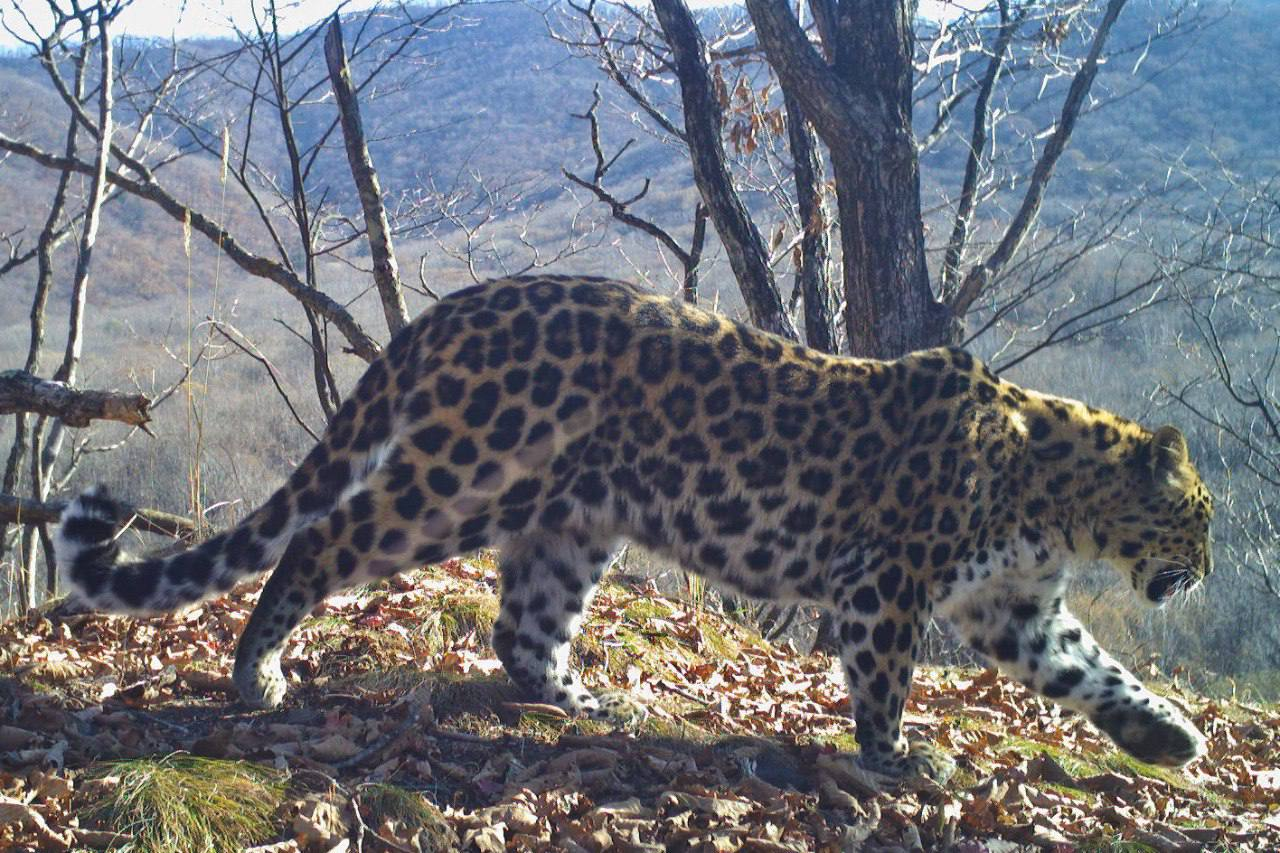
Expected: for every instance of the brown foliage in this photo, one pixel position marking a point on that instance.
(740, 754)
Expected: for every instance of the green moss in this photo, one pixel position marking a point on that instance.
(1123, 763)
(182, 803)
(1069, 761)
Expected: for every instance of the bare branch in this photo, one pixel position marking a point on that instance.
(386, 273)
(22, 392)
(977, 149)
(16, 510)
(1019, 227)
(323, 305)
(237, 339)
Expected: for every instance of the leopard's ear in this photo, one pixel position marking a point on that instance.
(1168, 453)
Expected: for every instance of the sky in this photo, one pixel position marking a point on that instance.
(188, 18)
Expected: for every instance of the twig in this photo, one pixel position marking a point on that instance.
(221, 328)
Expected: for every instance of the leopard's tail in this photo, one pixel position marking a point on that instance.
(98, 575)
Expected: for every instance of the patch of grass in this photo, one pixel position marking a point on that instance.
(962, 779)
(636, 640)
(453, 616)
(1124, 763)
(719, 639)
(549, 727)
(1068, 791)
(842, 741)
(407, 810)
(357, 647)
(401, 678)
(182, 803)
(676, 729)
(644, 609)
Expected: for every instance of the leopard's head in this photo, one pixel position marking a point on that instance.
(1158, 533)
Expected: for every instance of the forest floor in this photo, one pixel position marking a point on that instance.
(400, 733)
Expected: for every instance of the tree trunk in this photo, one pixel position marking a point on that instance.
(889, 305)
(704, 125)
(860, 105)
(811, 266)
(386, 274)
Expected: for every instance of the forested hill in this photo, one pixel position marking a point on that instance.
(494, 95)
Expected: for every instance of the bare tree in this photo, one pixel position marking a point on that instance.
(270, 78)
(860, 74)
(1224, 231)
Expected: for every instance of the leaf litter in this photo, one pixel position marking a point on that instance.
(400, 733)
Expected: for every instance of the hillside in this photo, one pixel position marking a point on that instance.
(491, 95)
(400, 733)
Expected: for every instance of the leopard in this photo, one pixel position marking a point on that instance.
(553, 418)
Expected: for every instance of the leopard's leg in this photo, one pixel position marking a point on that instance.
(1046, 648)
(547, 583)
(880, 624)
(371, 535)
(296, 584)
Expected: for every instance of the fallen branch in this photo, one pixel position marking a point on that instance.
(15, 510)
(22, 392)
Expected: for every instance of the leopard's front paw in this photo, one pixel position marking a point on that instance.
(918, 762)
(619, 708)
(1156, 734)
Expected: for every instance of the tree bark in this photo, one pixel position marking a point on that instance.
(386, 273)
(22, 392)
(704, 123)
(811, 269)
(861, 107)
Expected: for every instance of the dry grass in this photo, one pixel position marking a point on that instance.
(183, 803)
